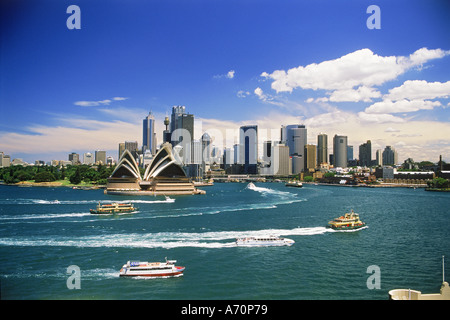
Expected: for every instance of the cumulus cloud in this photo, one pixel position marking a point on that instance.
(361, 69)
(419, 89)
(362, 93)
(388, 106)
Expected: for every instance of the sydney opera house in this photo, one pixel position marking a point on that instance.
(163, 176)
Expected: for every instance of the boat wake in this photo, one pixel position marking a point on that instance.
(167, 240)
(266, 191)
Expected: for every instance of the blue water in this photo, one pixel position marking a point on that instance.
(43, 231)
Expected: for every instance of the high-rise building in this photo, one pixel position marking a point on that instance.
(74, 158)
(322, 148)
(100, 157)
(390, 156)
(182, 130)
(121, 149)
(132, 146)
(248, 138)
(295, 136)
(365, 154)
(340, 151)
(88, 158)
(149, 134)
(310, 157)
(379, 158)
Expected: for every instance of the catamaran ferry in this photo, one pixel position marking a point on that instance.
(264, 241)
(151, 269)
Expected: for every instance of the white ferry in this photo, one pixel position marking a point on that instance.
(264, 241)
(151, 269)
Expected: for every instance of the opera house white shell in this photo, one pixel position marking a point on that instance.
(163, 176)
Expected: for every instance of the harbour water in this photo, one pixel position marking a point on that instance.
(43, 231)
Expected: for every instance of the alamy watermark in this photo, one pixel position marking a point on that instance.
(74, 280)
(374, 280)
(374, 20)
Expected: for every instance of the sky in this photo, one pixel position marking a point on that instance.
(231, 63)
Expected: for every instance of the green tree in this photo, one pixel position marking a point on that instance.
(44, 176)
(76, 177)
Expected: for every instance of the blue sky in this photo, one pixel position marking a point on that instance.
(230, 63)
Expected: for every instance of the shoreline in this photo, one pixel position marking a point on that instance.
(58, 183)
(65, 183)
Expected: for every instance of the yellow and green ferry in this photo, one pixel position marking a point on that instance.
(349, 221)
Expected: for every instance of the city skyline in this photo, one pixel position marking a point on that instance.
(231, 64)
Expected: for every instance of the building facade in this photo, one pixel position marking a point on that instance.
(340, 151)
(149, 134)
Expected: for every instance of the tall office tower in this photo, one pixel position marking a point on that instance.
(74, 158)
(390, 156)
(379, 158)
(349, 154)
(181, 120)
(322, 148)
(88, 158)
(310, 157)
(182, 130)
(340, 151)
(166, 132)
(267, 151)
(132, 146)
(295, 138)
(121, 149)
(148, 134)
(206, 148)
(100, 157)
(196, 154)
(248, 139)
(365, 154)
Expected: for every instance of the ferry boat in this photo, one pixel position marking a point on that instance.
(296, 184)
(151, 269)
(114, 207)
(263, 241)
(349, 221)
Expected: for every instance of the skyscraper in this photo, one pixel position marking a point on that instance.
(149, 135)
(182, 130)
(340, 151)
(322, 148)
(248, 138)
(365, 154)
(390, 156)
(310, 157)
(295, 137)
(100, 157)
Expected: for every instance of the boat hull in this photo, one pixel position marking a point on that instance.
(347, 227)
(153, 275)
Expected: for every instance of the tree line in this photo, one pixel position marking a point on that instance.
(75, 174)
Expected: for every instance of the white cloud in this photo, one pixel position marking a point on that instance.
(258, 91)
(361, 68)
(419, 89)
(390, 129)
(119, 98)
(104, 102)
(362, 93)
(388, 106)
(92, 103)
(229, 75)
(242, 94)
(379, 118)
